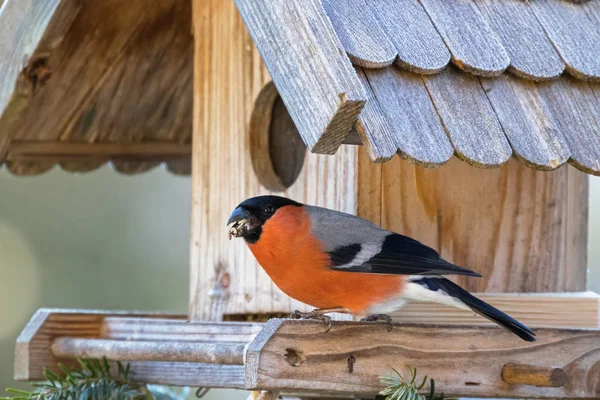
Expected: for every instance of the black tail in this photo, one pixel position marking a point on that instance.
(479, 306)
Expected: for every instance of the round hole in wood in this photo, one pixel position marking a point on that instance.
(276, 147)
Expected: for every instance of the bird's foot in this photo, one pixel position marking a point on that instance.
(380, 318)
(316, 314)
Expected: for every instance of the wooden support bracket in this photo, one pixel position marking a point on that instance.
(302, 358)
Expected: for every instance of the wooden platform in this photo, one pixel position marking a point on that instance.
(301, 358)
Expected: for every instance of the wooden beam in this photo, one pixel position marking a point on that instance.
(61, 151)
(299, 357)
(302, 358)
(323, 93)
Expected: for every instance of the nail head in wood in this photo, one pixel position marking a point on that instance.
(518, 374)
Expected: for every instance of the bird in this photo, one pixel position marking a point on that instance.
(339, 262)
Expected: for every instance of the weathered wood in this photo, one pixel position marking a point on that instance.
(536, 139)
(129, 336)
(573, 34)
(532, 56)
(224, 276)
(29, 29)
(518, 374)
(315, 80)
(411, 116)
(374, 127)
(129, 81)
(473, 44)
(420, 47)
(89, 152)
(468, 117)
(359, 30)
(522, 229)
(159, 350)
(302, 357)
(575, 109)
(557, 310)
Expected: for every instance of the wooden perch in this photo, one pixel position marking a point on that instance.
(302, 358)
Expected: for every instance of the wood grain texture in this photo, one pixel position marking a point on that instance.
(376, 130)
(130, 81)
(360, 32)
(577, 114)
(420, 47)
(29, 30)
(473, 44)
(411, 116)
(468, 118)
(465, 361)
(522, 229)
(556, 310)
(224, 276)
(574, 35)
(532, 55)
(315, 77)
(527, 121)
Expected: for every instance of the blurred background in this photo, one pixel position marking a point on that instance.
(108, 241)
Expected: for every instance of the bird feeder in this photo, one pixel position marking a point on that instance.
(470, 125)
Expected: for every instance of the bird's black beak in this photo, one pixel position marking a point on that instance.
(241, 222)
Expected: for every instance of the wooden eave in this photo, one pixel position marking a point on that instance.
(302, 358)
(484, 80)
(83, 83)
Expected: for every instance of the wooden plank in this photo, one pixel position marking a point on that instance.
(374, 127)
(27, 29)
(531, 53)
(573, 34)
(473, 44)
(411, 116)
(576, 112)
(316, 82)
(225, 279)
(469, 118)
(30, 150)
(536, 139)
(464, 361)
(514, 225)
(360, 32)
(557, 310)
(420, 47)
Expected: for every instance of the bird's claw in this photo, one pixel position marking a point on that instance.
(314, 315)
(380, 318)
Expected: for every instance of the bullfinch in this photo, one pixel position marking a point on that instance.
(338, 262)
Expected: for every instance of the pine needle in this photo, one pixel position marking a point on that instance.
(399, 388)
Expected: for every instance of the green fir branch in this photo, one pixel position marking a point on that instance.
(92, 380)
(399, 388)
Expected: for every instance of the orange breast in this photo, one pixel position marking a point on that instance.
(299, 266)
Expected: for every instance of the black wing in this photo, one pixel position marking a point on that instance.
(399, 255)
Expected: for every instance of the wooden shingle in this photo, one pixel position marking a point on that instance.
(420, 47)
(573, 34)
(532, 56)
(474, 46)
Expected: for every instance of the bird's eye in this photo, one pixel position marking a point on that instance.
(268, 209)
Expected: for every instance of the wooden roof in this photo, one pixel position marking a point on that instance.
(83, 83)
(426, 79)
